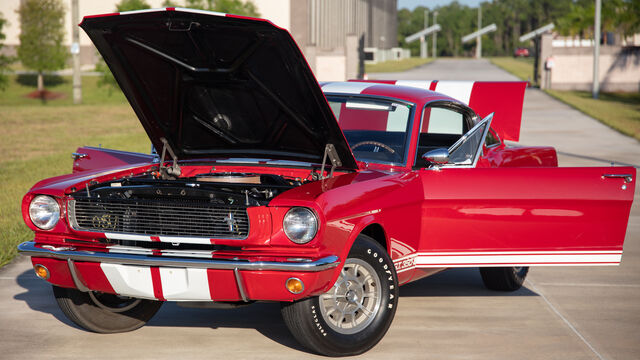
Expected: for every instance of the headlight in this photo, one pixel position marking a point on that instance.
(44, 212)
(300, 225)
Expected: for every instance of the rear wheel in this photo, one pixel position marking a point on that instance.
(504, 278)
(356, 312)
(104, 313)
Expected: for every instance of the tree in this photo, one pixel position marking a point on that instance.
(238, 7)
(621, 16)
(4, 60)
(130, 5)
(41, 36)
(513, 18)
(107, 78)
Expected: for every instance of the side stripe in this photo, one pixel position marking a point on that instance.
(512, 258)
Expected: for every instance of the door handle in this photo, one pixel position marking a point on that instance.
(627, 177)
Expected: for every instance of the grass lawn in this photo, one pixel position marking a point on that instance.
(620, 111)
(39, 138)
(20, 85)
(396, 65)
(520, 67)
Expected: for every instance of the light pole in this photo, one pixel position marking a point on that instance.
(435, 35)
(424, 46)
(479, 41)
(75, 53)
(596, 50)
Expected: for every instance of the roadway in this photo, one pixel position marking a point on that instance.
(561, 313)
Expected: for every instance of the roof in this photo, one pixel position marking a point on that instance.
(417, 95)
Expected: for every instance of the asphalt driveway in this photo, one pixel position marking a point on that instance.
(561, 313)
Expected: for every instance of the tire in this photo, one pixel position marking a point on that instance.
(504, 278)
(104, 313)
(367, 292)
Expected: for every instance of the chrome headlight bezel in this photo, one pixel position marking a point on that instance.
(300, 225)
(44, 212)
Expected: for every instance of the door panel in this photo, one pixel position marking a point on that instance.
(524, 216)
(91, 158)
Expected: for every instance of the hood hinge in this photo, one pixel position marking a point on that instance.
(332, 154)
(173, 171)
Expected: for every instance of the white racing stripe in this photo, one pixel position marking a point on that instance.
(516, 260)
(142, 11)
(185, 284)
(166, 239)
(510, 258)
(129, 280)
(185, 240)
(116, 236)
(420, 84)
(346, 87)
(460, 90)
(196, 11)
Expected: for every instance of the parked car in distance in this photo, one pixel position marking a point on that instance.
(521, 52)
(268, 186)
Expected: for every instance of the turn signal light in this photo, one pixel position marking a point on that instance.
(295, 285)
(41, 271)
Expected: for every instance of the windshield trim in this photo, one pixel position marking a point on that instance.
(412, 109)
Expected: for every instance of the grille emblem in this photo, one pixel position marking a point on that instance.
(231, 221)
(105, 221)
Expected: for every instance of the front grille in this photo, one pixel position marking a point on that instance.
(159, 218)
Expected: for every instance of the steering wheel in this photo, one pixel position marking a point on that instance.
(386, 147)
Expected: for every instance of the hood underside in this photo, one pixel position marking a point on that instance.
(218, 86)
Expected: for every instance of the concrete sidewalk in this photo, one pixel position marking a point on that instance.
(562, 313)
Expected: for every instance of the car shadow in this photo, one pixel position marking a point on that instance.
(39, 297)
(456, 282)
(263, 317)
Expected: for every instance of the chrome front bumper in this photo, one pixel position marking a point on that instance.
(30, 248)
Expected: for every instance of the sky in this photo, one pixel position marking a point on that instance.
(411, 4)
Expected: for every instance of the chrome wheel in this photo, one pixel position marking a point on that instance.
(354, 300)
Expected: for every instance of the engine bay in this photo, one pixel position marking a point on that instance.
(223, 188)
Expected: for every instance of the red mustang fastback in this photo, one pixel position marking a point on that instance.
(270, 187)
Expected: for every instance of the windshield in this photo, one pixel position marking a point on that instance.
(377, 130)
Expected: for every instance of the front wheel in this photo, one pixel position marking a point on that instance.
(504, 278)
(356, 312)
(104, 313)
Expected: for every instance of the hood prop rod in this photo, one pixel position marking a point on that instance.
(332, 154)
(173, 170)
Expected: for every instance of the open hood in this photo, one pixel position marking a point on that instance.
(215, 85)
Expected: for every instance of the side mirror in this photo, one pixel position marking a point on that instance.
(437, 156)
